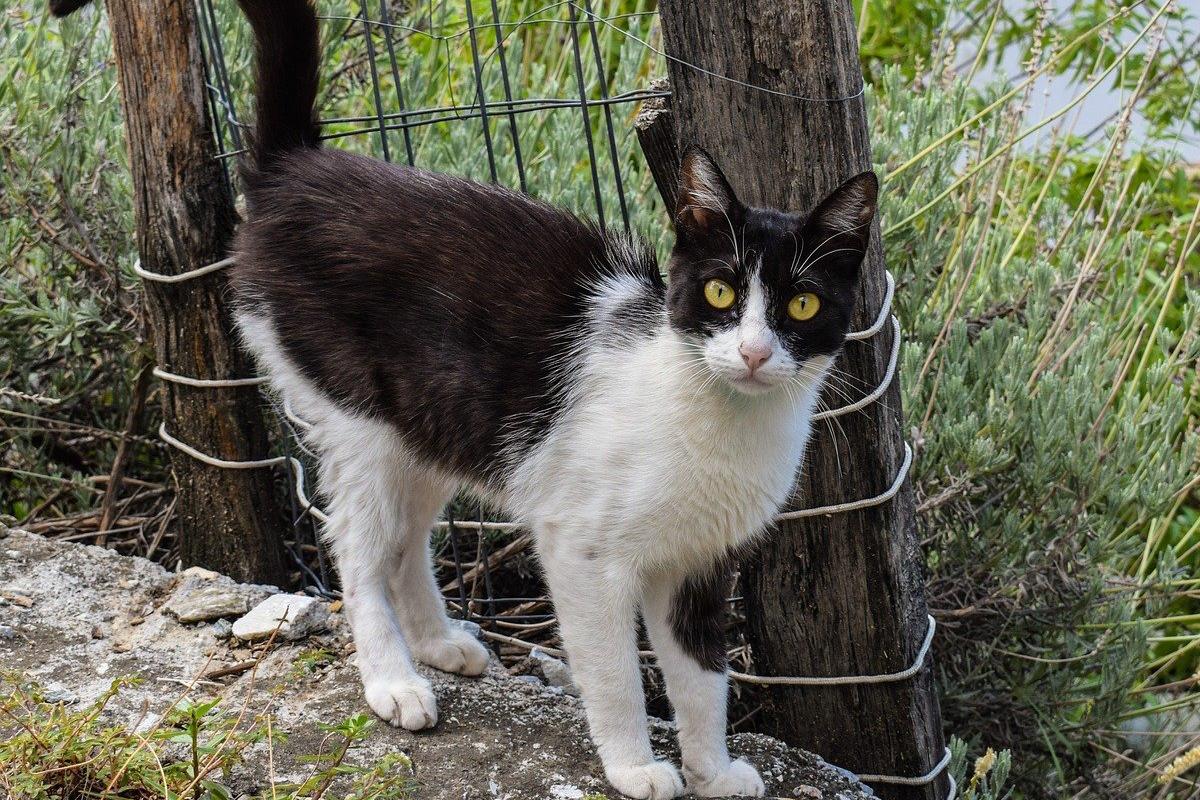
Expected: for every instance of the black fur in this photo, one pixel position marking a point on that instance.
(438, 304)
(287, 60)
(698, 615)
(450, 309)
(61, 8)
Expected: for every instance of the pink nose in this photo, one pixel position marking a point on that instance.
(754, 355)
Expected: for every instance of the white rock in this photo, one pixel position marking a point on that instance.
(555, 672)
(201, 572)
(300, 616)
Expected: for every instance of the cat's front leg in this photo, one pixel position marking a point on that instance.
(685, 620)
(596, 603)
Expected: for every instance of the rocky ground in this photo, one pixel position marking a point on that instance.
(73, 617)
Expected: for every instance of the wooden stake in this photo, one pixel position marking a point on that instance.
(183, 206)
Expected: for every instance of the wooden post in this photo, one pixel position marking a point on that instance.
(841, 594)
(659, 141)
(183, 207)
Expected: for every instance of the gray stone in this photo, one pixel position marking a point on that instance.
(554, 672)
(295, 615)
(201, 595)
(470, 627)
(60, 696)
(211, 600)
(6, 632)
(222, 629)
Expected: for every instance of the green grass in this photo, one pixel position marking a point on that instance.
(1047, 287)
(49, 752)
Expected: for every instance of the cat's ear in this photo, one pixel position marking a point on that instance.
(706, 200)
(848, 210)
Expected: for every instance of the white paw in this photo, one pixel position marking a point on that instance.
(736, 779)
(657, 780)
(458, 651)
(404, 702)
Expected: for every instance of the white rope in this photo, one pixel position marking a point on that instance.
(159, 277)
(213, 461)
(878, 391)
(854, 505)
(477, 525)
(884, 309)
(299, 422)
(207, 383)
(922, 780)
(845, 680)
(309, 507)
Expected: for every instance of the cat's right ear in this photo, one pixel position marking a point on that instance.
(706, 202)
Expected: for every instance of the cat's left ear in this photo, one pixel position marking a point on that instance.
(848, 210)
(706, 202)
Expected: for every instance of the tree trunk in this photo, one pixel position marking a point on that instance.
(183, 206)
(841, 594)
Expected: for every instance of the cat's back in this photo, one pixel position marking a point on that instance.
(337, 216)
(445, 307)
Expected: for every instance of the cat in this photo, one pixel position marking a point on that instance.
(439, 333)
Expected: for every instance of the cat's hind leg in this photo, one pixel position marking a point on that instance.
(361, 475)
(432, 638)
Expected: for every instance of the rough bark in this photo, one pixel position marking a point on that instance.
(842, 594)
(229, 520)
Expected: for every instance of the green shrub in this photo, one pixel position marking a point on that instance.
(1050, 383)
(50, 752)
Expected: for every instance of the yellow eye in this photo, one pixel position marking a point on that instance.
(804, 306)
(719, 294)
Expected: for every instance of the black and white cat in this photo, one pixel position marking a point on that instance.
(440, 333)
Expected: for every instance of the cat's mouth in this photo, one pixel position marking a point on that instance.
(749, 383)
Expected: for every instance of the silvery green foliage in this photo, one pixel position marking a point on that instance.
(68, 320)
(1040, 461)
(985, 777)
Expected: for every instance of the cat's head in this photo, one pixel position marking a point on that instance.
(765, 295)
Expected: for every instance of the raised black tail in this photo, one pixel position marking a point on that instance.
(287, 60)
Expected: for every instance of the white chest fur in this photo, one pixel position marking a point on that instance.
(657, 464)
